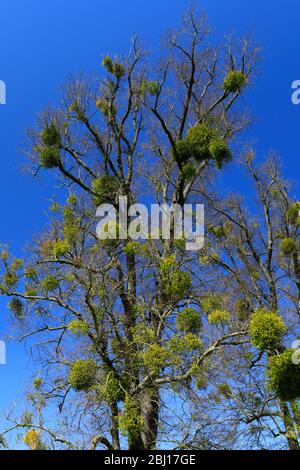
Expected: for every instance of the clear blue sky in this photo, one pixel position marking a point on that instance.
(42, 42)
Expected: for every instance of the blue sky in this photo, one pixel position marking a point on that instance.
(43, 42)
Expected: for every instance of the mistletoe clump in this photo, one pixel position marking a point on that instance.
(234, 81)
(293, 214)
(130, 420)
(49, 151)
(266, 329)
(199, 139)
(33, 440)
(106, 188)
(78, 327)
(284, 376)
(60, 248)
(287, 246)
(202, 143)
(50, 136)
(218, 316)
(155, 357)
(82, 374)
(188, 321)
(116, 69)
(211, 301)
(189, 171)
(149, 86)
(16, 306)
(71, 225)
(176, 282)
(49, 157)
(49, 284)
(110, 389)
(219, 152)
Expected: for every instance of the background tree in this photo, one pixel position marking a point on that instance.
(252, 254)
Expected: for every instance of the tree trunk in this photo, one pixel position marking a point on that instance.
(150, 409)
(290, 432)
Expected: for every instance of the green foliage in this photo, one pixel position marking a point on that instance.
(16, 264)
(33, 440)
(16, 306)
(242, 309)
(30, 273)
(149, 86)
(71, 225)
(234, 81)
(82, 375)
(284, 376)
(199, 138)
(143, 334)
(218, 316)
(189, 321)
(189, 171)
(110, 389)
(220, 152)
(287, 246)
(10, 278)
(49, 283)
(72, 200)
(176, 282)
(30, 290)
(49, 157)
(225, 390)
(38, 383)
(107, 63)
(131, 248)
(183, 344)
(266, 329)
(4, 255)
(130, 420)
(78, 327)
(106, 187)
(211, 301)
(50, 136)
(60, 248)
(154, 358)
(293, 214)
(118, 70)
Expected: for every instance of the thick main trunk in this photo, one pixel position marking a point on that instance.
(150, 409)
